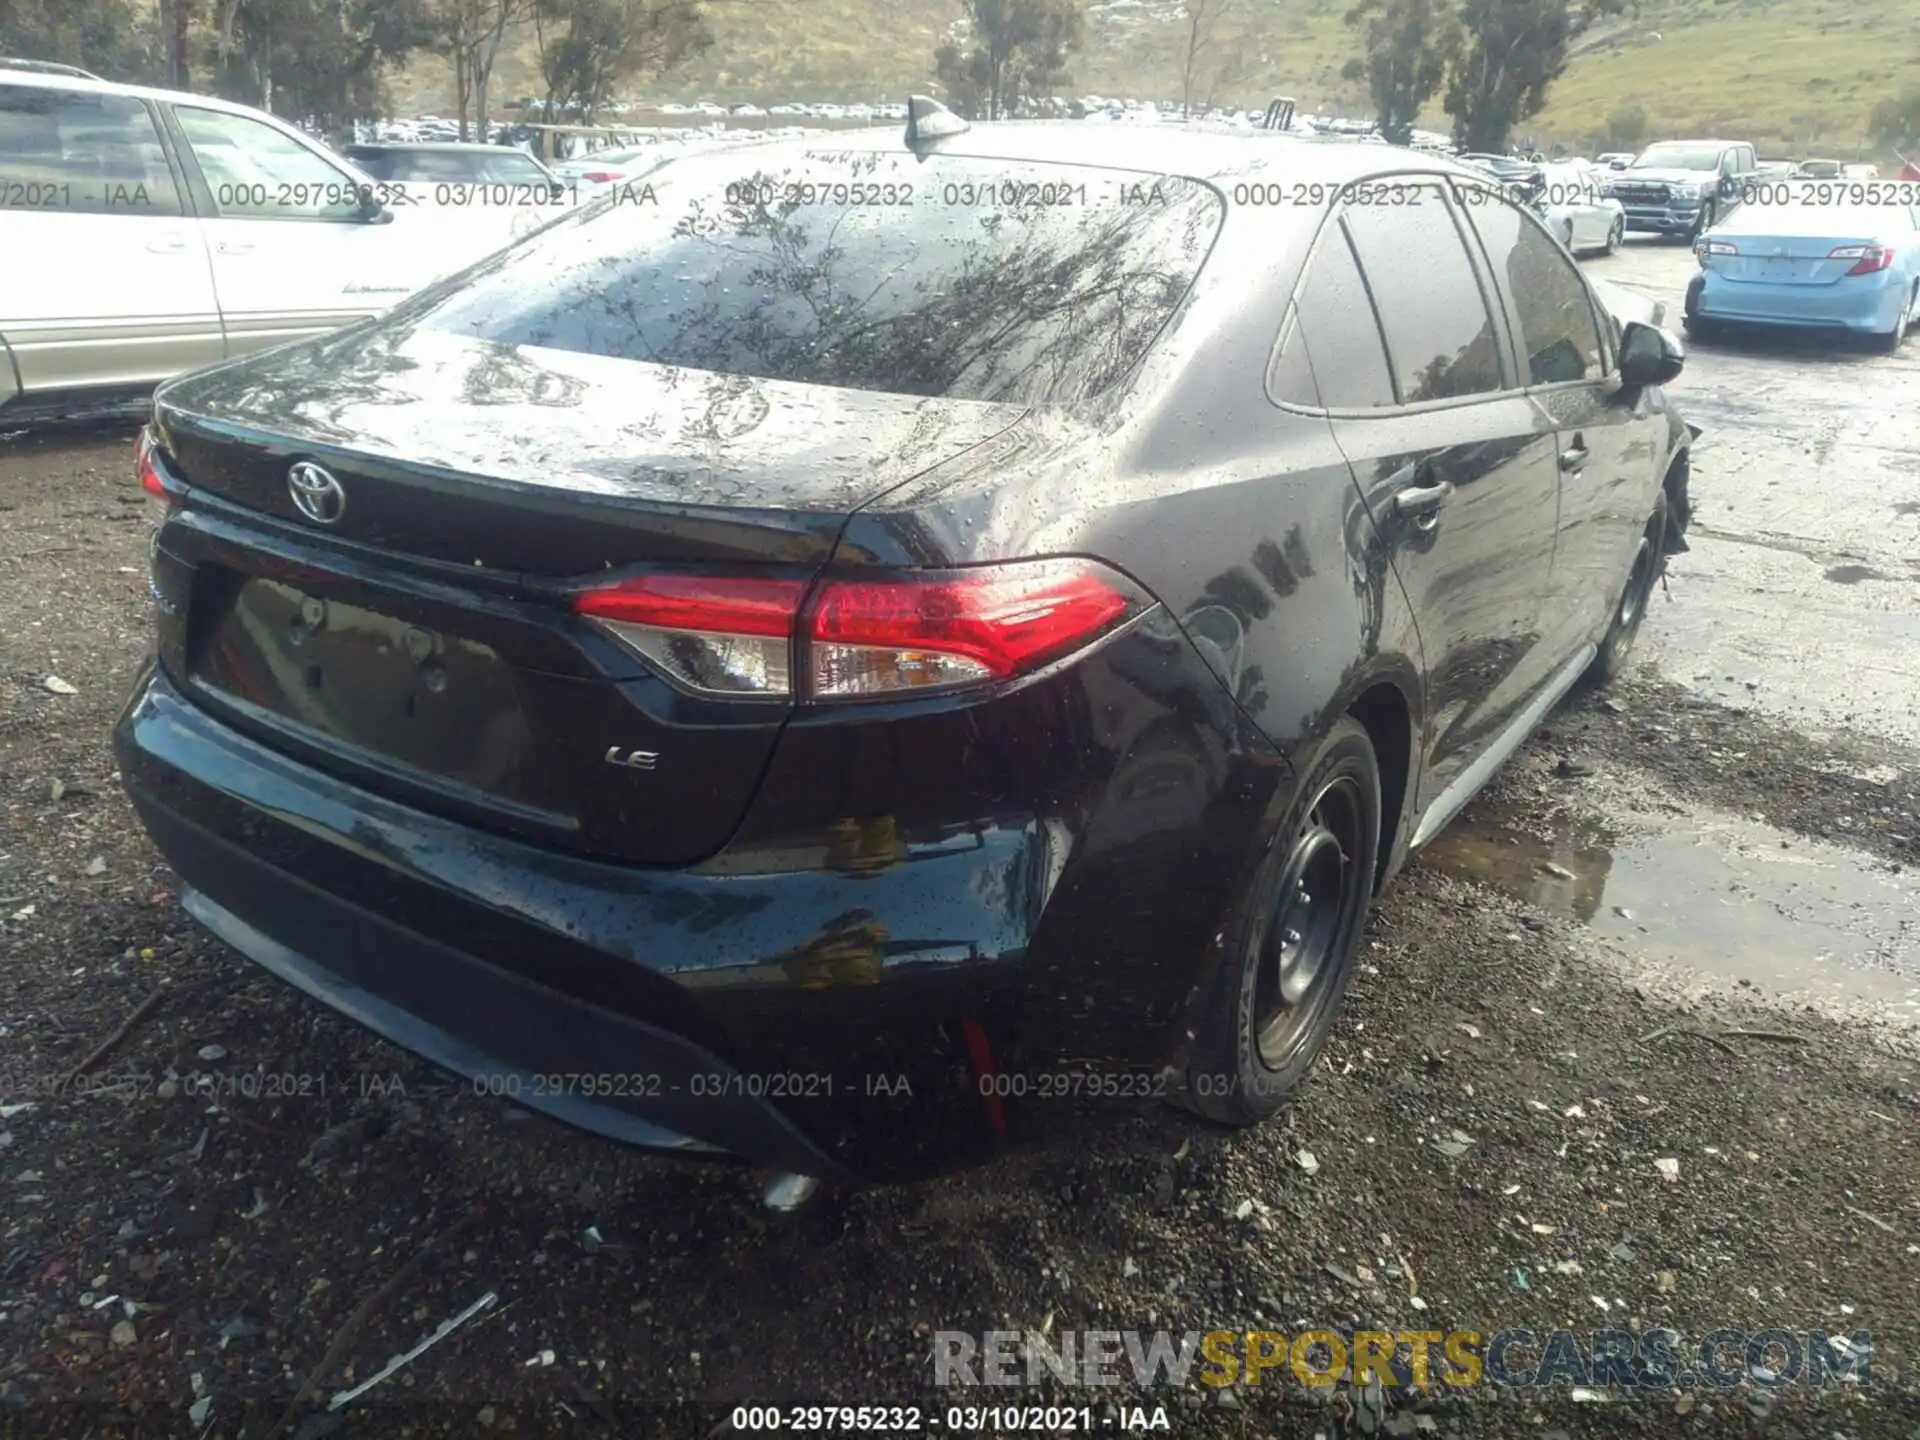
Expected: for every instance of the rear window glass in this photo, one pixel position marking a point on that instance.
(971, 279)
(505, 167)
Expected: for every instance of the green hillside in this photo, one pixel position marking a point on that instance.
(1794, 75)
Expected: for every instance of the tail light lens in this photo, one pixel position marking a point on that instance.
(601, 177)
(714, 635)
(882, 637)
(863, 638)
(162, 494)
(1868, 259)
(1718, 247)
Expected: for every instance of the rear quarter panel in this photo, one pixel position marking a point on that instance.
(1242, 518)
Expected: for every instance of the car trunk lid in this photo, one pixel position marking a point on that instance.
(1792, 244)
(1789, 259)
(422, 642)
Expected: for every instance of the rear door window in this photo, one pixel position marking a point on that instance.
(78, 152)
(1558, 334)
(959, 277)
(1331, 355)
(1441, 340)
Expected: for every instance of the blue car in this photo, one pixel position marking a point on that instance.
(1814, 255)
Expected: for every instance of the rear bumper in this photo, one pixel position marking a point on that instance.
(785, 1006)
(569, 985)
(1866, 310)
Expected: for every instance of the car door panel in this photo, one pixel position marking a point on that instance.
(1609, 453)
(105, 282)
(1474, 563)
(1455, 466)
(292, 250)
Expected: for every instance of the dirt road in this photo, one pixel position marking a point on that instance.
(1633, 1048)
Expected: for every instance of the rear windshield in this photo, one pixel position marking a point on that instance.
(501, 167)
(955, 277)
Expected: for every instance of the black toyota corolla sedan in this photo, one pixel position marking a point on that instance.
(855, 651)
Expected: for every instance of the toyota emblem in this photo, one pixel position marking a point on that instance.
(316, 494)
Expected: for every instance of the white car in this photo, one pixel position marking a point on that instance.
(1576, 210)
(145, 232)
(612, 165)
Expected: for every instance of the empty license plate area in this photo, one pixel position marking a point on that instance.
(352, 679)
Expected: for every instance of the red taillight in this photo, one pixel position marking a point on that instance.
(870, 637)
(691, 602)
(1868, 259)
(146, 465)
(861, 638)
(601, 177)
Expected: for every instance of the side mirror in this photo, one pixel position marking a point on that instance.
(557, 191)
(1649, 355)
(374, 213)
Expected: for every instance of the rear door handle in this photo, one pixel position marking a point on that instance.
(235, 247)
(167, 244)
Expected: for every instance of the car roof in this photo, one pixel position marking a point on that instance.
(457, 146)
(1195, 149)
(45, 67)
(45, 81)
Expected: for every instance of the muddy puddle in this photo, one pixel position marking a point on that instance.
(1714, 894)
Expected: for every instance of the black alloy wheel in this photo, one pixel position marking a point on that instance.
(1288, 951)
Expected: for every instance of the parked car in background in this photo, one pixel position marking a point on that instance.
(447, 171)
(611, 166)
(1817, 170)
(145, 232)
(1577, 209)
(1812, 255)
(1614, 159)
(1681, 187)
(45, 67)
(792, 718)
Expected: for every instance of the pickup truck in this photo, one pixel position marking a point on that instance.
(1680, 187)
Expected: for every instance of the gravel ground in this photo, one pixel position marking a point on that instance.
(1477, 1149)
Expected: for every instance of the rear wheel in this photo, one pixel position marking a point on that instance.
(1705, 223)
(1615, 235)
(1288, 951)
(1889, 344)
(1642, 575)
(1690, 319)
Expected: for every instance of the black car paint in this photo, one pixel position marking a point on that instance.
(1043, 864)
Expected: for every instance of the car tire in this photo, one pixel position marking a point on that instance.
(1690, 319)
(1889, 344)
(1287, 952)
(1708, 214)
(1616, 236)
(1643, 573)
